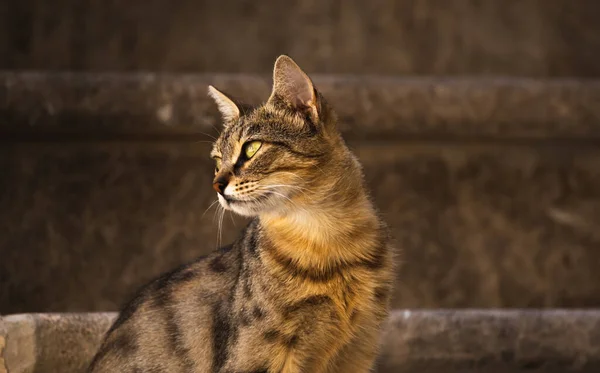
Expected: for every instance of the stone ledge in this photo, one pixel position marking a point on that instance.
(496, 341)
(97, 105)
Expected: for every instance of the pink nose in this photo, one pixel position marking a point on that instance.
(219, 186)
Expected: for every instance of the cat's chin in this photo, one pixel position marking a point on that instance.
(242, 209)
(239, 207)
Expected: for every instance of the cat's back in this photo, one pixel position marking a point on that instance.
(171, 318)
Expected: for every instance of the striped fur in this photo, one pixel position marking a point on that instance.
(307, 285)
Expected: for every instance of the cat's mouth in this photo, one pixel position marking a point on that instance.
(232, 200)
(244, 207)
(255, 204)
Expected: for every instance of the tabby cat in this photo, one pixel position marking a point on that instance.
(307, 285)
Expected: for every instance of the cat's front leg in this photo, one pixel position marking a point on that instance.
(314, 348)
(359, 355)
(316, 362)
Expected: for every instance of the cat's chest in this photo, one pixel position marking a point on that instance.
(344, 298)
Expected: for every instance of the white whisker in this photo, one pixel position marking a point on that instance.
(204, 141)
(284, 185)
(295, 187)
(293, 174)
(211, 205)
(283, 196)
(216, 129)
(231, 217)
(209, 135)
(220, 231)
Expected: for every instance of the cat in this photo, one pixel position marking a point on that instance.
(305, 288)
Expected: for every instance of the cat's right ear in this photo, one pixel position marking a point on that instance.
(227, 107)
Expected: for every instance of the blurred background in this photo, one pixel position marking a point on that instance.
(477, 122)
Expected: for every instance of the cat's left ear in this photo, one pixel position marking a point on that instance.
(292, 85)
(229, 110)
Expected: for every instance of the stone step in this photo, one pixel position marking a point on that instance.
(427, 341)
(369, 107)
(527, 37)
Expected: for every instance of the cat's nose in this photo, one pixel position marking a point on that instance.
(220, 184)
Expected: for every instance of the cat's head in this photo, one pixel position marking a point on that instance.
(270, 157)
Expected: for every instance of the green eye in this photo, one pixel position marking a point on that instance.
(217, 164)
(251, 148)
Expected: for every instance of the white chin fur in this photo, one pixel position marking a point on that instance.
(250, 209)
(223, 202)
(236, 207)
(243, 211)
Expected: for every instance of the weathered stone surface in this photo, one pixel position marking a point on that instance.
(477, 225)
(490, 226)
(492, 341)
(465, 341)
(47, 343)
(92, 106)
(525, 37)
(96, 221)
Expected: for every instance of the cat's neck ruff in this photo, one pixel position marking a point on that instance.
(324, 231)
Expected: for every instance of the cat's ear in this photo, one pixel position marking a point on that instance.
(292, 85)
(229, 110)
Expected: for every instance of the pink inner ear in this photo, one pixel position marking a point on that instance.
(301, 96)
(293, 85)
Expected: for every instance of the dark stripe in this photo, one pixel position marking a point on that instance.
(272, 335)
(295, 152)
(176, 340)
(179, 275)
(221, 329)
(245, 319)
(275, 336)
(381, 313)
(184, 275)
(217, 265)
(382, 293)
(258, 313)
(348, 294)
(159, 285)
(284, 169)
(291, 341)
(252, 237)
(245, 272)
(128, 311)
(308, 302)
(325, 274)
(224, 332)
(246, 288)
(158, 289)
(123, 344)
(162, 300)
(153, 369)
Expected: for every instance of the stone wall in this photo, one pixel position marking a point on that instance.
(502, 37)
(491, 186)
